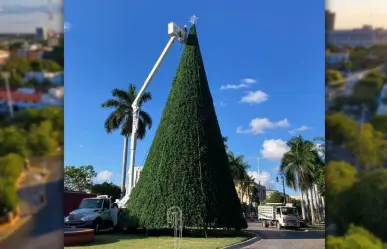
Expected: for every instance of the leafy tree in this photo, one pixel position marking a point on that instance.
(11, 167)
(298, 166)
(332, 75)
(187, 164)
(238, 166)
(107, 189)
(370, 147)
(79, 178)
(367, 199)
(41, 140)
(340, 177)
(225, 140)
(122, 116)
(12, 140)
(379, 122)
(340, 128)
(356, 237)
(275, 197)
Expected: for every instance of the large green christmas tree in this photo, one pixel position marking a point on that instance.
(187, 165)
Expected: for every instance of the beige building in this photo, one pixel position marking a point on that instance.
(246, 199)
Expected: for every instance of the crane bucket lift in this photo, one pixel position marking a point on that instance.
(175, 32)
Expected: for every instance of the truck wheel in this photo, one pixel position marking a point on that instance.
(97, 225)
(266, 224)
(278, 225)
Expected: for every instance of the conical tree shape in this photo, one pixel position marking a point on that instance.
(187, 164)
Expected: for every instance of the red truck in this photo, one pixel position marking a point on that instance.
(72, 199)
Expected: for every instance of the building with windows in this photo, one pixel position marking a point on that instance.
(329, 20)
(367, 36)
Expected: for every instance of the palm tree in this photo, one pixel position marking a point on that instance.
(238, 170)
(122, 118)
(225, 140)
(298, 167)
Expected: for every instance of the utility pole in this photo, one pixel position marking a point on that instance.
(259, 173)
(5, 75)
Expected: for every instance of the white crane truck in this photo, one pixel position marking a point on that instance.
(279, 215)
(99, 213)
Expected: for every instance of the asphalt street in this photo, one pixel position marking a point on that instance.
(45, 228)
(272, 238)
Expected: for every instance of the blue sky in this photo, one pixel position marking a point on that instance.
(279, 52)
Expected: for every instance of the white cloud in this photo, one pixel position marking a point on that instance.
(276, 169)
(274, 149)
(104, 176)
(232, 86)
(244, 83)
(255, 97)
(248, 81)
(260, 125)
(299, 129)
(264, 177)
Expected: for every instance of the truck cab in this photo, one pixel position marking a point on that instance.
(99, 213)
(287, 217)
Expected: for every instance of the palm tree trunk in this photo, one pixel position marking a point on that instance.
(303, 205)
(124, 164)
(315, 203)
(311, 207)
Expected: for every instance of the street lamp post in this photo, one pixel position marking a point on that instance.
(283, 184)
(5, 75)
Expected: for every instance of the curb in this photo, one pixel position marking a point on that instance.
(17, 226)
(245, 243)
(18, 221)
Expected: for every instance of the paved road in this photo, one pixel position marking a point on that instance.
(44, 229)
(271, 238)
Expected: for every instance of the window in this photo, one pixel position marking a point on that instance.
(106, 204)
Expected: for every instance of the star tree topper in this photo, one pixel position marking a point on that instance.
(193, 19)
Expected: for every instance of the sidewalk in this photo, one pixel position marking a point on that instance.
(31, 189)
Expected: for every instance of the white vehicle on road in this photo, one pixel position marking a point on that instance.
(279, 215)
(99, 213)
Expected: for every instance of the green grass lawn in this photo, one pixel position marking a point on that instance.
(122, 241)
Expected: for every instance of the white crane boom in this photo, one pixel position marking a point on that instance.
(174, 32)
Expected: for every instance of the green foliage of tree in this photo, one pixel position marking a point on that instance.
(340, 177)
(41, 140)
(356, 237)
(11, 166)
(332, 75)
(367, 199)
(275, 197)
(187, 165)
(340, 128)
(122, 116)
(107, 188)
(379, 122)
(370, 147)
(79, 178)
(12, 140)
